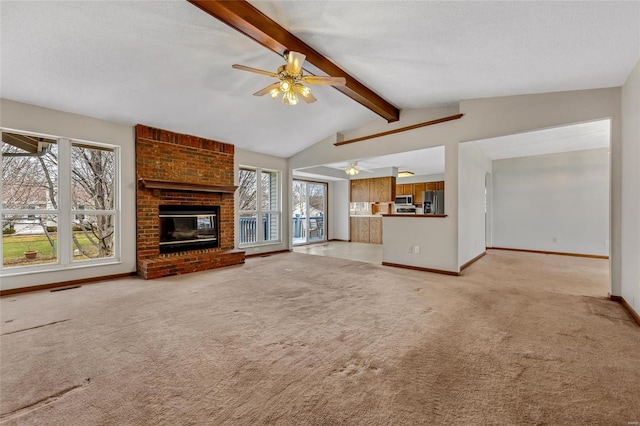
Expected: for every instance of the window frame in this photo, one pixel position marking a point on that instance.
(65, 211)
(260, 241)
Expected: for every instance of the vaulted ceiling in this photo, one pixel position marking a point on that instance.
(168, 64)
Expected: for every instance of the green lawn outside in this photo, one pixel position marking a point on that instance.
(14, 246)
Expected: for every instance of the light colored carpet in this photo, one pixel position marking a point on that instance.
(294, 339)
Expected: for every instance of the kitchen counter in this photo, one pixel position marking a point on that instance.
(365, 215)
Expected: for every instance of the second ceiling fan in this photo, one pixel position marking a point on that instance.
(291, 80)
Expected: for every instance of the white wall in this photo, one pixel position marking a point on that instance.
(339, 210)
(558, 196)
(473, 165)
(399, 233)
(20, 116)
(253, 159)
(630, 277)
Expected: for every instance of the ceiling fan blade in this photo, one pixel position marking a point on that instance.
(255, 70)
(331, 81)
(294, 62)
(305, 94)
(267, 89)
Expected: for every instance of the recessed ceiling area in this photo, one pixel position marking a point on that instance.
(427, 161)
(575, 137)
(430, 161)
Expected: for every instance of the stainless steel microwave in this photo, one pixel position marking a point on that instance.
(404, 199)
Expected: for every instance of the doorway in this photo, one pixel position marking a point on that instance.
(309, 212)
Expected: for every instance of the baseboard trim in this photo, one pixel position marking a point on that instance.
(41, 287)
(418, 268)
(338, 239)
(267, 253)
(560, 253)
(627, 306)
(472, 261)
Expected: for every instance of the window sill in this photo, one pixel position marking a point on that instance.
(257, 245)
(30, 270)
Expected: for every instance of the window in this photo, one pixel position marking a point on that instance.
(259, 197)
(59, 203)
(308, 211)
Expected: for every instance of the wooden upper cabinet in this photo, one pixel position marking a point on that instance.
(431, 186)
(393, 189)
(360, 191)
(374, 190)
(418, 188)
(382, 189)
(405, 189)
(441, 185)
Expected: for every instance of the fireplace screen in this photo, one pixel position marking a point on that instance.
(184, 228)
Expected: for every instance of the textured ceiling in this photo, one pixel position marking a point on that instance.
(168, 64)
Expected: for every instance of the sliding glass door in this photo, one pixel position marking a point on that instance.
(309, 212)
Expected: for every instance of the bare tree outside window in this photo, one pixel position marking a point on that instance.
(247, 190)
(93, 179)
(30, 181)
(258, 205)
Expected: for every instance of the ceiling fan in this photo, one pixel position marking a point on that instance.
(291, 80)
(354, 169)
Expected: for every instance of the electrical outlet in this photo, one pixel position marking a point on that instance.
(256, 249)
(606, 243)
(555, 239)
(416, 249)
(410, 249)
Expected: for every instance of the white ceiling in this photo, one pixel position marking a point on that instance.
(168, 64)
(576, 137)
(428, 161)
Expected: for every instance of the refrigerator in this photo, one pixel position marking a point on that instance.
(433, 202)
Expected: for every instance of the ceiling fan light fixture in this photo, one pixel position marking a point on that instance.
(303, 90)
(289, 98)
(274, 93)
(291, 76)
(352, 170)
(285, 86)
(405, 173)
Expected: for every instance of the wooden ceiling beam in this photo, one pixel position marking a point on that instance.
(248, 20)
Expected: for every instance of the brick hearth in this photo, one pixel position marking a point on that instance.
(176, 169)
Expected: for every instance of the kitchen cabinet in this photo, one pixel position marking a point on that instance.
(374, 190)
(375, 230)
(360, 191)
(431, 186)
(382, 189)
(380, 193)
(404, 189)
(366, 230)
(418, 188)
(359, 229)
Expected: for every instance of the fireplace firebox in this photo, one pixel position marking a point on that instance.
(184, 228)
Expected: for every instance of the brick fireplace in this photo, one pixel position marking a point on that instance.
(185, 176)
